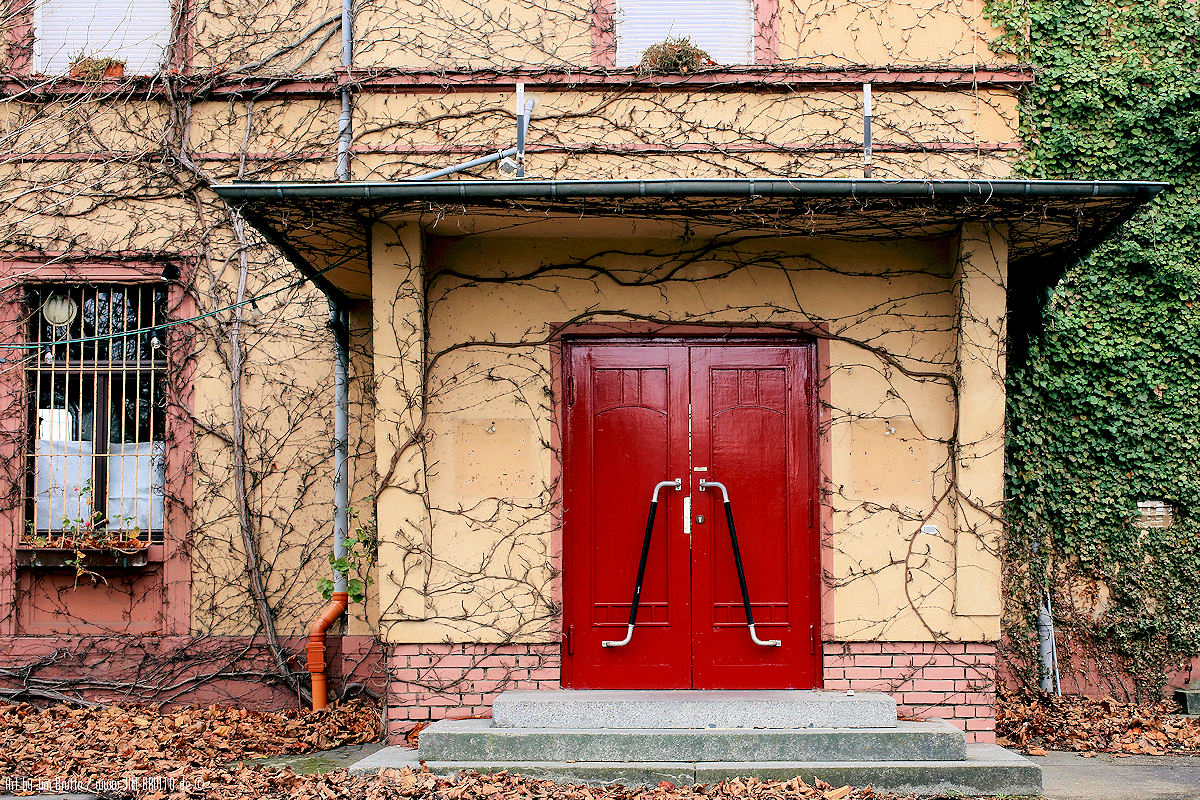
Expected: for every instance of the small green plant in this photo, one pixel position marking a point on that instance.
(674, 55)
(359, 558)
(93, 531)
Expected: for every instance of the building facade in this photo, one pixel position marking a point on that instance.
(699, 276)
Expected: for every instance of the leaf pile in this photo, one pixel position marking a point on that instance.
(392, 783)
(1038, 722)
(118, 741)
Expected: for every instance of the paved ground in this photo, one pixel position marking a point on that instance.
(1068, 776)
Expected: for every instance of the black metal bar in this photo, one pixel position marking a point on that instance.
(737, 559)
(676, 484)
(637, 587)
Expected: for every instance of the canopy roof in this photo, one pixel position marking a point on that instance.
(322, 227)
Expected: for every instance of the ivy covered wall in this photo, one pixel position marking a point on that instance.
(1104, 387)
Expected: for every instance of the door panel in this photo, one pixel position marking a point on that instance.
(751, 428)
(626, 431)
(751, 421)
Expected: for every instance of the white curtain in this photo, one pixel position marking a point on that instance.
(136, 477)
(64, 476)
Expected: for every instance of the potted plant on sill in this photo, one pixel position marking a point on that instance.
(675, 55)
(92, 68)
(85, 545)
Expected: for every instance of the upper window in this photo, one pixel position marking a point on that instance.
(725, 29)
(97, 390)
(135, 32)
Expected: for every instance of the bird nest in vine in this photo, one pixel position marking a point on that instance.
(674, 55)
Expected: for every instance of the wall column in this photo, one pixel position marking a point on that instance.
(980, 288)
(398, 312)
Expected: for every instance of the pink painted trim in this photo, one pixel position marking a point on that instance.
(637, 148)
(111, 155)
(177, 563)
(703, 147)
(735, 79)
(19, 37)
(766, 31)
(12, 456)
(180, 56)
(19, 268)
(604, 33)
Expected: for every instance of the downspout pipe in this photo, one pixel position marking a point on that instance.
(346, 119)
(1048, 675)
(339, 322)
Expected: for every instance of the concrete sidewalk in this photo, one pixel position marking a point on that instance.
(1069, 776)
(1065, 776)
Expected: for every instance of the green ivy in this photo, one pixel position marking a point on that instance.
(1104, 398)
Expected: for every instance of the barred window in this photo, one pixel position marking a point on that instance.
(96, 460)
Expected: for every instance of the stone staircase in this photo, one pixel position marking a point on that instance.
(687, 737)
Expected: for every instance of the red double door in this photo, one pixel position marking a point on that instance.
(741, 415)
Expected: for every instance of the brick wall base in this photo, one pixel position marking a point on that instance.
(951, 681)
(435, 681)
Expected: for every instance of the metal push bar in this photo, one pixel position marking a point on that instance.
(677, 485)
(737, 558)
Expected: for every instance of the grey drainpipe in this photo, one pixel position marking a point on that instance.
(339, 322)
(345, 121)
(817, 188)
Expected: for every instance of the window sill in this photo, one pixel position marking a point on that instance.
(92, 559)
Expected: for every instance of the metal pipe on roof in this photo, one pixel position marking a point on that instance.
(475, 162)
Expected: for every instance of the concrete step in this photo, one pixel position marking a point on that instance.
(692, 708)
(479, 740)
(987, 770)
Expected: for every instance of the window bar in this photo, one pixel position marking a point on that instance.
(38, 362)
(102, 400)
(151, 415)
(139, 354)
(119, 408)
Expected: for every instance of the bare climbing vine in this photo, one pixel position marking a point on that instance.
(118, 172)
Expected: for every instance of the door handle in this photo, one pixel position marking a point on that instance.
(737, 559)
(677, 485)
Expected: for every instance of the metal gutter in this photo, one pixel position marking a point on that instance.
(856, 188)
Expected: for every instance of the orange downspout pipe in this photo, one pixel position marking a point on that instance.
(316, 647)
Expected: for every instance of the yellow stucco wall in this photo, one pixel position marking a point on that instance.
(474, 527)
(106, 169)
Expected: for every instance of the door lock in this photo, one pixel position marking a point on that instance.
(699, 519)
